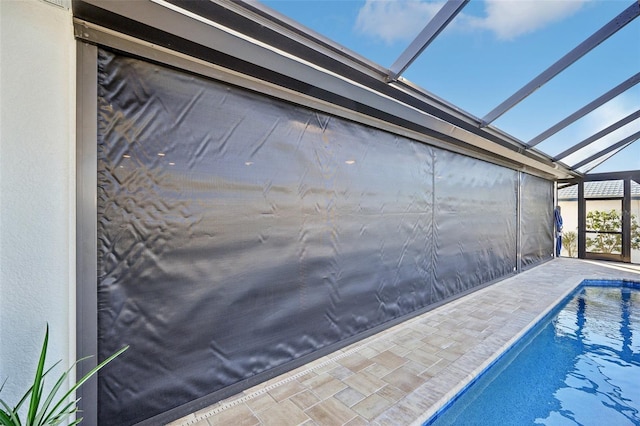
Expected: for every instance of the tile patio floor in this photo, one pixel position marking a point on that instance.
(404, 374)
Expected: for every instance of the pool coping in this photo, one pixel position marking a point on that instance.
(462, 387)
(453, 393)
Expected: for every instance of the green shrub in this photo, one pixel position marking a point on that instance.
(609, 221)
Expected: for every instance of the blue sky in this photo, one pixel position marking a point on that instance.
(493, 48)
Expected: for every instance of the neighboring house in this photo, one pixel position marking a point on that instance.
(599, 197)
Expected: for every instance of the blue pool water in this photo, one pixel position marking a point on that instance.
(580, 365)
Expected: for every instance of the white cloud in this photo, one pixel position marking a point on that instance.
(392, 21)
(509, 19)
(402, 20)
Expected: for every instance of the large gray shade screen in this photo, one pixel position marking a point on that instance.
(536, 219)
(238, 233)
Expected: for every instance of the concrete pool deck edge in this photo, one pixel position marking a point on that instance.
(406, 373)
(572, 283)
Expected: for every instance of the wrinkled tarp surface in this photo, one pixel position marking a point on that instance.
(237, 233)
(536, 219)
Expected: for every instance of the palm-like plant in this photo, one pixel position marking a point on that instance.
(43, 410)
(570, 242)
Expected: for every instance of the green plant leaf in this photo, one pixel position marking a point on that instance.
(5, 420)
(36, 391)
(76, 422)
(26, 395)
(52, 394)
(13, 414)
(39, 413)
(45, 406)
(62, 414)
(56, 408)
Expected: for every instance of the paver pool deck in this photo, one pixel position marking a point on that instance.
(404, 374)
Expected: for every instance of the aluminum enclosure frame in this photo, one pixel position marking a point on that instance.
(626, 177)
(94, 34)
(599, 101)
(610, 28)
(626, 120)
(303, 62)
(260, 26)
(433, 28)
(86, 148)
(454, 215)
(86, 226)
(625, 253)
(620, 144)
(87, 193)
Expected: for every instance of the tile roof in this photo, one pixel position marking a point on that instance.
(604, 189)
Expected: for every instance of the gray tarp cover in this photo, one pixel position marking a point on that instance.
(536, 224)
(238, 233)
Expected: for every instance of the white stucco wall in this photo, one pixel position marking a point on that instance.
(37, 188)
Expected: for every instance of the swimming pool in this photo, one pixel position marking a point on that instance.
(579, 365)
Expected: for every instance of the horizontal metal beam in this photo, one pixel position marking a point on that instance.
(597, 177)
(620, 88)
(626, 141)
(578, 52)
(206, 31)
(606, 158)
(615, 126)
(631, 174)
(271, 19)
(429, 33)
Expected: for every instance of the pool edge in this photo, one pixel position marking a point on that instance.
(580, 281)
(448, 398)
